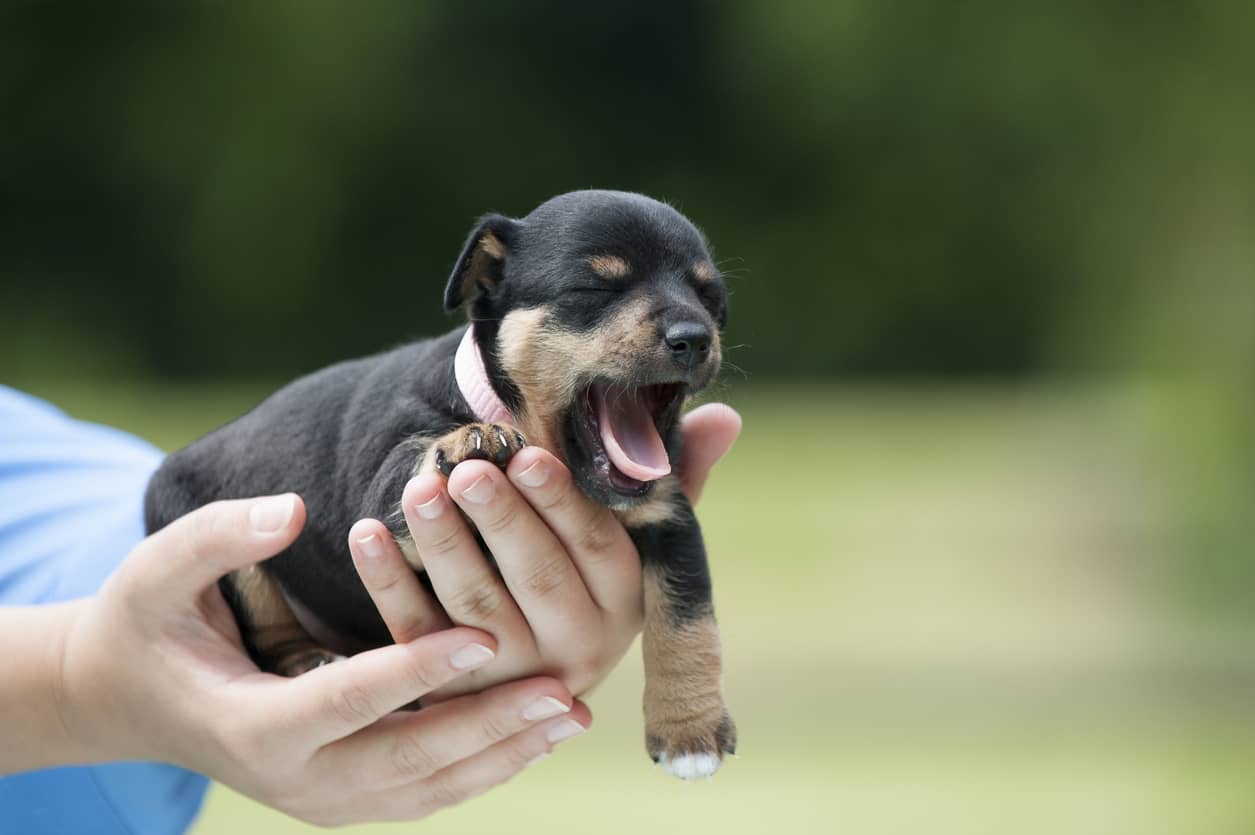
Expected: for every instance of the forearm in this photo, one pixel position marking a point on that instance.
(32, 733)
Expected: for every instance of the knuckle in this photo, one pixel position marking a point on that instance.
(442, 545)
(595, 541)
(411, 759)
(546, 578)
(411, 626)
(423, 680)
(495, 730)
(476, 604)
(443, 792)
(385, 583)
(501, 521)
(353, 705)
(520, 754)
(555, 501)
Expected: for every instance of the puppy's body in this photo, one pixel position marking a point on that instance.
(593, 318)
(344, 438)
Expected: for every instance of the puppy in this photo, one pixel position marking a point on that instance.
(591, 320)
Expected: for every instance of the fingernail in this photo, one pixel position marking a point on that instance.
(544, 709)
(564, 729)
(370, 546)
(471, 656)
(431, 508)
(272, 514)
(533, 476)
(538, 758)
(480, 492)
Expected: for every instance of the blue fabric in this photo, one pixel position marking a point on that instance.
(71, 507)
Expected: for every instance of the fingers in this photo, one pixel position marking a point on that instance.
(533, 562)
(478, 773)
(192, 552)
(468, 587)
(418, 745)
(407, 608)
(709, 432)
(333, 701)
(597, 545)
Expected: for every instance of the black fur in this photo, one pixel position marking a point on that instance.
(347, 438)
(675, 546)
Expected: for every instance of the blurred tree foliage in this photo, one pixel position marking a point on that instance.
(909, 189)
(901, 189)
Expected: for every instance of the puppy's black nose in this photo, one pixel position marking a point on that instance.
(689, 343)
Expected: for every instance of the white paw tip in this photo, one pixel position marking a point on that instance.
(691, 766)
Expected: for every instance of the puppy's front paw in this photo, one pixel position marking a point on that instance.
(485, 441)
(692, 746)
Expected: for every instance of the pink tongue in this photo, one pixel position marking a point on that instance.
(629, 435)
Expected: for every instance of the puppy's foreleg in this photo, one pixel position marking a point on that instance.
(687, 726)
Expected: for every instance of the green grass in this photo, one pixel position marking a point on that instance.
(944, 610)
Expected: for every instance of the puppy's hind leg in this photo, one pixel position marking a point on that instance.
(275, 639)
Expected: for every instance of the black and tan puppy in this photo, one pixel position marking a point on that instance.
(592, 319)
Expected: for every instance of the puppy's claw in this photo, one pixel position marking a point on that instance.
(477, 441)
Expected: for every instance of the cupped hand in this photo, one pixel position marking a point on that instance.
(565, 598)
(152, 668)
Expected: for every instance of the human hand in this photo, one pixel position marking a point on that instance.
(152, 668)
(568, 599)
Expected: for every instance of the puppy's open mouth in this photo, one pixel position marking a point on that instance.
(623, 428)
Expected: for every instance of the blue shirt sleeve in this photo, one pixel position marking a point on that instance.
(71, 508)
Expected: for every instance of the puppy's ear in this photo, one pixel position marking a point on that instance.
(482, 262)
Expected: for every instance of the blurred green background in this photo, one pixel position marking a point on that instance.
(985, 555)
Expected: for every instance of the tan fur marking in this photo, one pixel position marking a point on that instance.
(657, 508)
(549, 363)
(684, 707)
(276, 632)
(609, 266)
(704, 271)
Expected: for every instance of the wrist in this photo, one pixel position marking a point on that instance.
(36, 716)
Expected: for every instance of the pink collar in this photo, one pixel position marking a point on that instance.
(468, 369)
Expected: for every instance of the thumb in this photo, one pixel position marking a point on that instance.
(193, 551)
(709, 432)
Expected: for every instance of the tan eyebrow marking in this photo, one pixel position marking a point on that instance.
(609, 266)
(704, 270)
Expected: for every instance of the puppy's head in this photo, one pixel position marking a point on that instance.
(596, 314)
